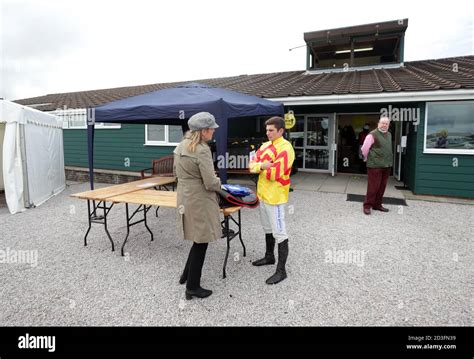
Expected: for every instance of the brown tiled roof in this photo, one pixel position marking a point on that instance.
(428, 75)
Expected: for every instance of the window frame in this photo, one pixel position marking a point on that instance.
(436, 150)
(159, 143)
(82, 112)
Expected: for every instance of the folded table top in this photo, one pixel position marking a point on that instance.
(103, 194)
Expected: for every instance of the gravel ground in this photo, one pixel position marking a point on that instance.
(409, 267)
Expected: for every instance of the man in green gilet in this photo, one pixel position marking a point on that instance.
(377, 151)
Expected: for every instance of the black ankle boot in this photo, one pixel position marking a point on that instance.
(280, 273)
(269, 252)
(198, 293)
(196, 261)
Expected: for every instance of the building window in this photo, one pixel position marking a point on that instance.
(163, 135)
(76, 119)
(107, 126)
(449, 127)
(356, 53)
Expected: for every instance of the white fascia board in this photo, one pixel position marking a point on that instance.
(415, 96)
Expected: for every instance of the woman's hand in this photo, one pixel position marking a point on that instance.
(266, 165)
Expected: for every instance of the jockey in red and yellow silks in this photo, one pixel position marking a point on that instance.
(274, 183)
(273, 162)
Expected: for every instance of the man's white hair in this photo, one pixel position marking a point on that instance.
(384, 118)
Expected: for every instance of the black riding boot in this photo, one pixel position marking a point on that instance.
(184, 275)
(280, 273)
(269, 253)
(193, 285)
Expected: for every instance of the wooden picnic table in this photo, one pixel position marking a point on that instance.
(139, 193)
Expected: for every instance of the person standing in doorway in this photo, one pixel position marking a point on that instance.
(362, 135)
(378, 153)
(273, 162)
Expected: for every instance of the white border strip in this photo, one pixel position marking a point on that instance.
(414, 96)
(447, 151)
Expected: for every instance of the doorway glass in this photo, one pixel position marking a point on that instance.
(312, 137)
(317, 159)
(317, 131)
(317, 144)
(297, 139)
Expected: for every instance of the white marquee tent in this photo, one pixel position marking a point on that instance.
(31, 156)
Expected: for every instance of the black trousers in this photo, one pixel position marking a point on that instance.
(194, 264)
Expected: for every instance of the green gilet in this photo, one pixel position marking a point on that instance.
(380, 154)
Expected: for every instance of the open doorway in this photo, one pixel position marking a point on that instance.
(351, 131)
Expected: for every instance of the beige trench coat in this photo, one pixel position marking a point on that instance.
(198, 207)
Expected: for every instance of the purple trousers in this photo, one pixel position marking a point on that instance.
(376, 184)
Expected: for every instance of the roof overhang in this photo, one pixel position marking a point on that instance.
(415, 96)
(358, 30)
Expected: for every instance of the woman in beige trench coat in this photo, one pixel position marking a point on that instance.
(198, 207)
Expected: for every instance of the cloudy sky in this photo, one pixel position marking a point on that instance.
(53, 46)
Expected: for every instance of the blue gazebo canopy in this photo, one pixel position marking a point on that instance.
(174, 106)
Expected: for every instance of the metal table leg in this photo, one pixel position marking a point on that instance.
(160, 188)
(94, 218)
(141, 208)
(105, 225)
(230, 236)
(90, 223)
(240, 234)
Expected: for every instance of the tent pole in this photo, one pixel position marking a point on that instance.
(90, 151)
(221, 148)
(26, 187)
